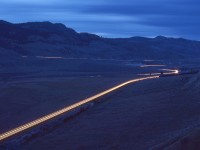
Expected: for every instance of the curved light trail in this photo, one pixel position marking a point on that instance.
(170, 71)
(175, 71)
(66, 109)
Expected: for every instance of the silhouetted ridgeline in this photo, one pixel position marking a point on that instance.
(45, 38)
(48, 39)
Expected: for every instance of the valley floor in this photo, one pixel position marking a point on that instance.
(140, 116)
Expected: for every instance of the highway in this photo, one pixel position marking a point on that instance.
(71, 107)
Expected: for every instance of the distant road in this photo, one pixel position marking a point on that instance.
(68, 108)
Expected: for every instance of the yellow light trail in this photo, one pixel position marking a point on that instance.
(66, 109)
(170, 71)
(175, 71)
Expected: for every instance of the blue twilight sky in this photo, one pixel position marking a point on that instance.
(111, 18)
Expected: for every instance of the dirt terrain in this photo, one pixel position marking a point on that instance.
(140, 116)
(27, 99)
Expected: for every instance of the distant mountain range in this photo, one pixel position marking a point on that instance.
(56, 40)
(30, 47)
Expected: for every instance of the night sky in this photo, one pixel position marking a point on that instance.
(111, 18)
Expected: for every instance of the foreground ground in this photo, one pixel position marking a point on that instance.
(155, 114)
(141, 116)
(24, 100)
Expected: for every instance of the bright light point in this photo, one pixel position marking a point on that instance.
(176, 72)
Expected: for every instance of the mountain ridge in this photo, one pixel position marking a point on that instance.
(55, 39)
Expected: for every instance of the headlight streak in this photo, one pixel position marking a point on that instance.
(170, 71)
(66, 109)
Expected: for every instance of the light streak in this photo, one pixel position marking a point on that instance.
(49, 57)
(66, 109)
(149, 74)
(171, 71)
(143, 66)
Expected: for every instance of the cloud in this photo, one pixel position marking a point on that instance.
(111, 17)
(181, 18)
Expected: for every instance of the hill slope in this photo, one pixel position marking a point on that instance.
(48, 39)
